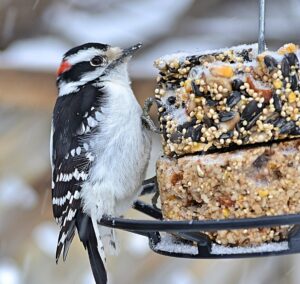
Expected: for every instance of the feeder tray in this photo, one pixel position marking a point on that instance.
(184, 239)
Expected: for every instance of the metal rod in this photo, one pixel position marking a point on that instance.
(147, 209)
(261, 37)
(194, 226)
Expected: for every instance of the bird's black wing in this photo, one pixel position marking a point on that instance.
(75, 119)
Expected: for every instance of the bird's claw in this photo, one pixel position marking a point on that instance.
(146, 119)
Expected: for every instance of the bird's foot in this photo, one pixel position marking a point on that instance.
(146, 119)
(154, 200)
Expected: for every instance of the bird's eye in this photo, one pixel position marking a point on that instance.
(98, 61)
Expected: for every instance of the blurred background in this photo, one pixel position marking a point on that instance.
(33, 36)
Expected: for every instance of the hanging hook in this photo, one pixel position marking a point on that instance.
(261, 37)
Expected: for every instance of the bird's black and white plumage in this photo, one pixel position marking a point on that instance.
(99, 147)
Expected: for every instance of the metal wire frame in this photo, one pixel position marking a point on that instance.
(189, 232)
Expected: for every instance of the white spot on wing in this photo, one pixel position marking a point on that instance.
(91, 121)
(76, 194)
(78, 150)
(73, 152)
(81, 130)
(98, 115)
(87, 129)
(85, 146)
(76, 174)
(90, 156)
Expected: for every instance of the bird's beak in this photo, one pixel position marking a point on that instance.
(130, 50)
(125, 55)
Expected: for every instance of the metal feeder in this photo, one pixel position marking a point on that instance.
(184, 238)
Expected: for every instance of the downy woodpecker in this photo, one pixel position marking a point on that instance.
(100, 147)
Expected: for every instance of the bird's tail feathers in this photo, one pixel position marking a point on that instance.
(96, 262)
(98, 236)
(94, 246)
(65, 238)
(109, 239)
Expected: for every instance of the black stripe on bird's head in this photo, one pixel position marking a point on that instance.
(90, 61)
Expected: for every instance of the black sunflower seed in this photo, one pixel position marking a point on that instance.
(171, 100)
(226, 135)
(189, 132)
(295, 131)
(187, 124)
(250, 111)
(273, 118)
(292, 59)
(270, 62)
(277, 102)
(294, 82)
(196, 134)
(261, 161)
(163, 122)
(196, 90)
(207, 121)
(285, 67)
(233, 99)
(211, 102)
(279, 122)
(176, 137)
(287, 128)
(159, 103)
(226, 115)
(164, 133)
(246, 139)
(194, 59)
(252, 121)
(236, 84)
(245, 54)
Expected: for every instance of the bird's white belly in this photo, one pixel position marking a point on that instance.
(122, 151)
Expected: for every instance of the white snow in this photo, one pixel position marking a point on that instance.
(142, 66)
(16, 193)
(218, 249)
(9, 272)
(45, 236)
(180, 277)
(137, 245)
(88, 278)
(44, 53)
(168, 243)
(123, 24)
(182, 55)
(137, 16)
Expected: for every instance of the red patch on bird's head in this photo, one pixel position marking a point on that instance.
(64, 66)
